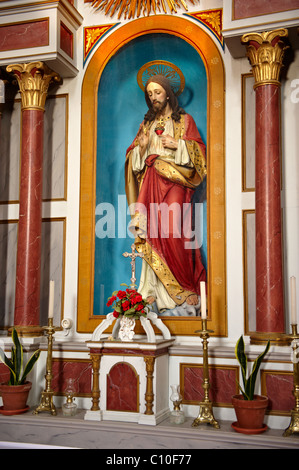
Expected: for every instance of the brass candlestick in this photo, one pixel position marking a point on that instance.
(46, 403)
(294, 424)
(206, 406)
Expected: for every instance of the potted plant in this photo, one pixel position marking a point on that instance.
(15, 392)
(249, 408)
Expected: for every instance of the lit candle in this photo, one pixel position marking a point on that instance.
(51, 300)
(293, 301)
(203, 300)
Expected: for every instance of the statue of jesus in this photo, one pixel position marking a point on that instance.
(164, 165)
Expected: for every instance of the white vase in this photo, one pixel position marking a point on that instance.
(126, 330)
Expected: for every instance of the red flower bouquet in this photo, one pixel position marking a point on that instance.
(128, 303)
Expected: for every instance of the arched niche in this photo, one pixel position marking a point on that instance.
(204, 45)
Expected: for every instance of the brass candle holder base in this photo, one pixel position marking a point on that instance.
(206, 415)
(46, 403)
(206, 406)
(294, 424)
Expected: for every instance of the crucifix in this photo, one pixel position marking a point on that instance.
(133, 255)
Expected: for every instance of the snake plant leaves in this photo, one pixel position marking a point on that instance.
(248, 383)
(18, 372)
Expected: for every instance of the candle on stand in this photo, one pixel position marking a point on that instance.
(293, 301)
(203, 300)
(51, 300)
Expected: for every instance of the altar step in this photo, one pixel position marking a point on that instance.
(75, 432)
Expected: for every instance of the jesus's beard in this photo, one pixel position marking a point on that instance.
(158, 106)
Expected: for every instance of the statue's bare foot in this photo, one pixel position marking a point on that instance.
(192, 299)
(150, 299)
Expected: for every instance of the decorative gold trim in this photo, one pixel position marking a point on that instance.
(65, 96)
(149, 393)
(245, 188)
(265, 52)
(63, 255)
(264, 373)
(95, 390)
(174, 289)
(245, 213)
(130, 8)
(184, 365)
(33, 79)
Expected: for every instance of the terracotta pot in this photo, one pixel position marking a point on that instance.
(250, 413)
(15, 397)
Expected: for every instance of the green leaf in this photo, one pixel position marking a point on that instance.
(255, 369)
(241, 356)
(18, 354)
(129, 311)
(9, 364)
(241, 390)
(30, 365)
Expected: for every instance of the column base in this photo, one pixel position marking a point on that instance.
(28, 331)
(278, 339)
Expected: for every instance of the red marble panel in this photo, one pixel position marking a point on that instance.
(4, 373)
(122, 388)
(66, 40)
(252, 8)
(64, 369)
(222, 383)
(278, 387)
(24, 35)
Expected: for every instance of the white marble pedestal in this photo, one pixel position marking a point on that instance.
(130, 381)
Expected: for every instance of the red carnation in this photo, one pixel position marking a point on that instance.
(111, 300)
(137, 298)
(126, 305)
(115, 314)
(121, 294)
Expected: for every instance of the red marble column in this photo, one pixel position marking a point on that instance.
(265, 52)
(27, 297)
(269, 264)
(33, 80)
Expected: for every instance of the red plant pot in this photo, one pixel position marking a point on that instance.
(250, 413)
(15, 397)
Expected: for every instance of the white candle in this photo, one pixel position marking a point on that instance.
(293, 301)
(51, 300)
(203, 300)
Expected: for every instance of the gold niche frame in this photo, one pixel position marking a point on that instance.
(216, 259)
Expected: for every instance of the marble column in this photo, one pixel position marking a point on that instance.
(265, 52)
(33, 80)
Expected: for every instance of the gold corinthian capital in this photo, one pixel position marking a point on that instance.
(33, 79)
(265, 52)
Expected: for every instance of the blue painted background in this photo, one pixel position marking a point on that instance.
(121, 108)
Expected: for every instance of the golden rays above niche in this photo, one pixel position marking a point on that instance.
(131, 8)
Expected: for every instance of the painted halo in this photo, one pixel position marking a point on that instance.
(163, 67)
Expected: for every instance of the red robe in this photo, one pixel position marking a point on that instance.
(179, 268)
